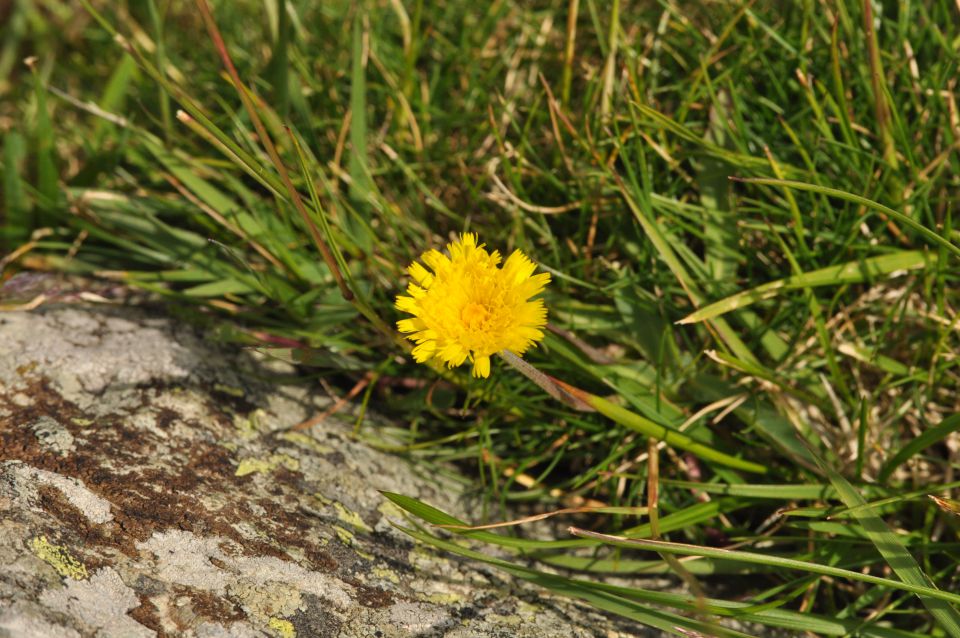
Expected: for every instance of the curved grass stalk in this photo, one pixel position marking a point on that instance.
(856, 199)
(587, 402)
(850, 272)
(763, 559)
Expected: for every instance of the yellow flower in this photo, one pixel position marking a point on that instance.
(470, 307)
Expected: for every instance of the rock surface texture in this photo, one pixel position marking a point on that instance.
(150, 486)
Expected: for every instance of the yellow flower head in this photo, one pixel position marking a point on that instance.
(470, 307)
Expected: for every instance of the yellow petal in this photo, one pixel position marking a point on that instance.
(534, 285)
(424, 351)
(532, 313)
(421, 274)
(410, 325)
(407, 304)
(518, 267)
(437, 261)
(423, 335)
(454, 354)
(468, 239)
(530, 333)
(481, 367)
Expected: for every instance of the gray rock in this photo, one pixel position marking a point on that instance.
(150, 486)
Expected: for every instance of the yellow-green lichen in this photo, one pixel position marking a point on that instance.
(502, 619)
(350, 518)
(59, 558)
(282, 628)
(362, 554)
(382, 573)
(264, 466)
(420, 558)
(345, 536)
(526, 608)
(305, 441)
(249, 425)
(264, 601)
(229, 389)
(391, 510)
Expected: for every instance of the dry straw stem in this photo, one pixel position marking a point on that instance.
(560, 391)
(628, 511)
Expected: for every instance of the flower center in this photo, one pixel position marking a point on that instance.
(474, 315)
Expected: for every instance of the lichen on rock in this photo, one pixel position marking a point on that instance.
(60, 558)
(150, 485)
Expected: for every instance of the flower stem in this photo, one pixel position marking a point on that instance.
(587, 402)
(554, 387)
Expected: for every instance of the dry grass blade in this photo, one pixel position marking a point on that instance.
(627, 511)
(946, 504)
(560, 391)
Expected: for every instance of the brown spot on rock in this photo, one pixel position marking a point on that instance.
(164, 417)
(148, 615)
(372, 596)
(74, 525)
(319, 559)
(212, 607)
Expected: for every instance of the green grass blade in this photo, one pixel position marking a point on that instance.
(862, 201)
(684, 518)
(160, 58)
(851, 272)
(361, 184)
(278, 71)
(813, 492)
(597, 596)
(719, 227)
(321, 215)
(48, 187)
(437, 517)
(584, 590)
(901, 561)
(769, 560)
(15, 217)
(664, 248)
(669, 436)
(601, 593)
(621, 565)
(114, 95)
